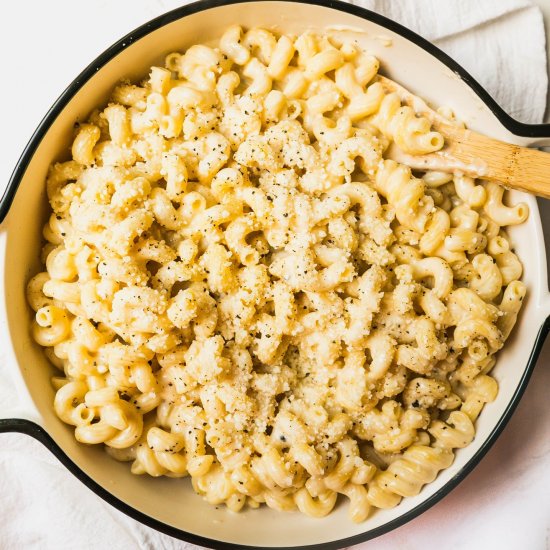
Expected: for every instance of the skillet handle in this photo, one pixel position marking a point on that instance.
(16, 404)
(531, 135)
(15, 400)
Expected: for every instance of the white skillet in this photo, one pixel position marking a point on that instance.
(170, 505)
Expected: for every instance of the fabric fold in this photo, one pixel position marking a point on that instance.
(434, 19)
(502, 43)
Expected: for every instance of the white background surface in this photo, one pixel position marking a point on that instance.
(504, 503)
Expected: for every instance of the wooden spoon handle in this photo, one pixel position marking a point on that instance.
(474, 154)
(479, 156)
(511, 165)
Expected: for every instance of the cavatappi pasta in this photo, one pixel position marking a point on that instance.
(242, 288)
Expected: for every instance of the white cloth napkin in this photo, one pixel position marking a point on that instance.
(501, 42)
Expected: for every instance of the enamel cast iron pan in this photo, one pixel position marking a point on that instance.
(170, 505)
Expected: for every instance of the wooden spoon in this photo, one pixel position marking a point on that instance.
(474, 154)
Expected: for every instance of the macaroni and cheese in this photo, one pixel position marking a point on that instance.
(241, 287)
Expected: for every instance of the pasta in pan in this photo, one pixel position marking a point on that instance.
(242, 287)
